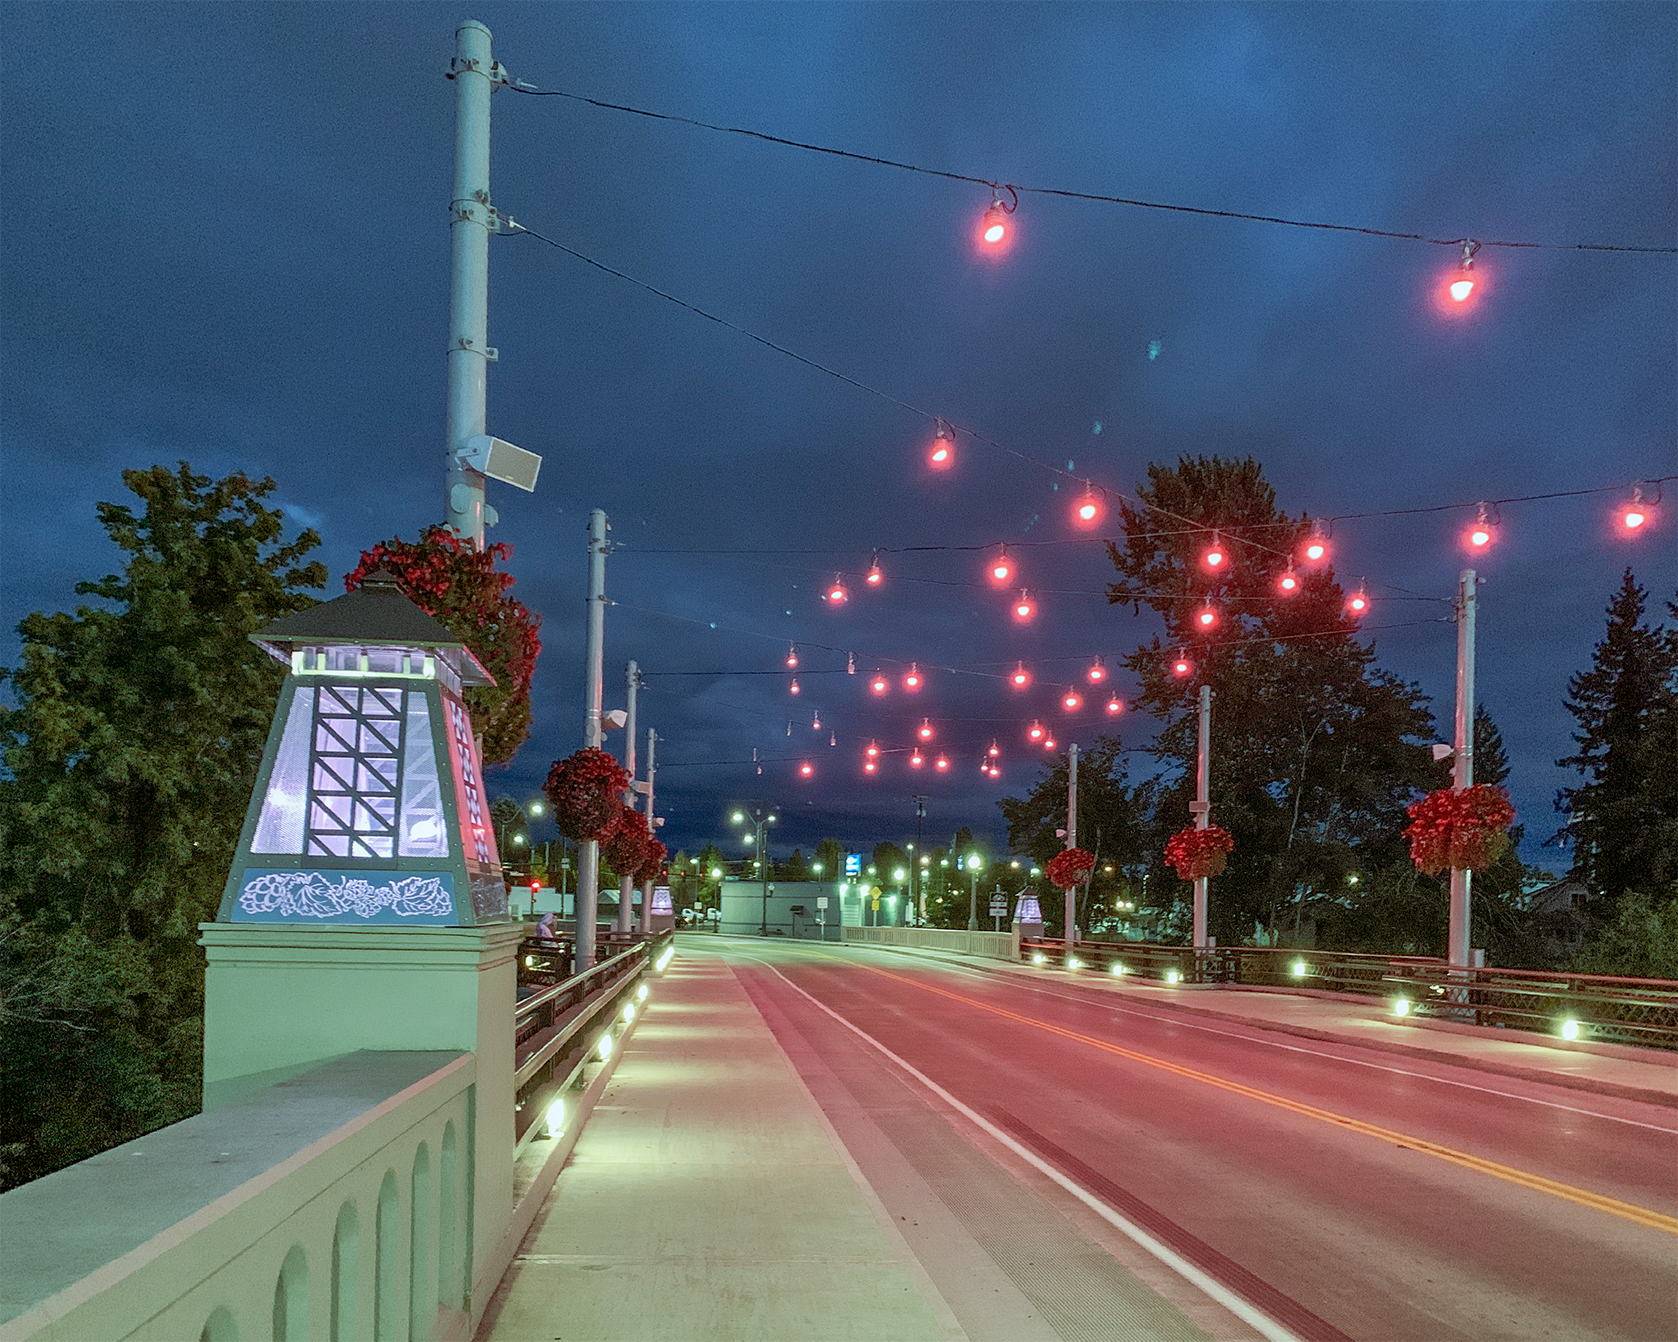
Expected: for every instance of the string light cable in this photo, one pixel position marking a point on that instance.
(511, 227)
(520, 86)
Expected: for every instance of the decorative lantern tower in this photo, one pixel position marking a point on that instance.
(370, 807)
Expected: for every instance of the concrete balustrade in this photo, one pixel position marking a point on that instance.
(330, 1205)
(997, 945)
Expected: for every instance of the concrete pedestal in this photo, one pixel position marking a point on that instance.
(281, 998)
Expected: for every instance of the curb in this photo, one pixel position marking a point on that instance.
(1614, 1089)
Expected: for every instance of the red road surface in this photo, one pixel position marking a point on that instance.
(1341, 1192)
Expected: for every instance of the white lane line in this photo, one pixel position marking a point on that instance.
(1262, 1323)
(1316, 1053)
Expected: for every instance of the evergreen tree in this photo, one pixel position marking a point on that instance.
(832, 859)
(1623, 819)
(1315, 750)
(1112, 818)
(129, 756)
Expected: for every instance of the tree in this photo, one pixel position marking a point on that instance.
(1642, 941)
(1113, 820)
(466, 593)
(1315, 750)
(129, 759)
(793, 869)
(831, 858)
(1623, 819)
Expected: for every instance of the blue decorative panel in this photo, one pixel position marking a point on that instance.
(269, 896)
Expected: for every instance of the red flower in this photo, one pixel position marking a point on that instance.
(462, 589)
(1462, 828)
(628, 846)
(1069, 866)
(1199, 852)
(586, 789)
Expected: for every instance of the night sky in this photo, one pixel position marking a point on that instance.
(226, 240)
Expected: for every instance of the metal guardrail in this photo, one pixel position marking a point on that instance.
(555, 1029)
(1603, 1007)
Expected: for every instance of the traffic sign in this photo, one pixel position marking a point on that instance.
(999, 907)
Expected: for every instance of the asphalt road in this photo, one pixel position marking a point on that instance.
(1067, 1165)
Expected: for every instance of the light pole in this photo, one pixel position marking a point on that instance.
(760, 817)
(974, 862)
(1457, 952)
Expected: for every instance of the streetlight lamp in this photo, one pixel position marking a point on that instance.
(759, 816)
(974, 862)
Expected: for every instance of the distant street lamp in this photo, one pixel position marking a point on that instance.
(760, 817)
(974, 862)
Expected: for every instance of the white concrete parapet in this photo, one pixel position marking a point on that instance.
(332, 1204)
(996, 945)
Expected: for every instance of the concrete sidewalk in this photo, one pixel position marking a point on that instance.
(1642, 1074)
(708, 1197)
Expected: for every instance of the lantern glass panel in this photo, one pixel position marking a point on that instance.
(279, 829)
(424, 833)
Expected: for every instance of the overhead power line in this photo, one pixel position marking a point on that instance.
(519, 86)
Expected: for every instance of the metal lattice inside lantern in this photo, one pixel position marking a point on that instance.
(369, 806)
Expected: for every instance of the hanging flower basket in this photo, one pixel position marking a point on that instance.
(626, 847)
(1463, 828)
(652, 866)
(1199, 852)
(1069, 866)
(586, 790)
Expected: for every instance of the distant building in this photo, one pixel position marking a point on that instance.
(794, 911)
(1558, 910)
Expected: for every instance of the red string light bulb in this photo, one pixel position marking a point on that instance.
(1072, 701)
(916, 759)
(792, 654)
(1097, 672)
(1182, 666)
(793, 688)
(806, 769)
(836, 593)
(1001, 568)
(879, 684)
(924, 731)
(1636, 513)
(875, 576)
(1288, 583)
(1024, 607)
(1021, 677)
(995, 749)
(1115, 706)
(1357, 604)
(942, 454)
(1481, 534)
(912, 681)
(1035, 732)
(1206, 618)
(1216, 556)
(1088, 508)
(942, 762)
(1316, 544)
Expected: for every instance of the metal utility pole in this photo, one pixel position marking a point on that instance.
(626, 880)
(1071, 841)
(652, 828)
(1457, 950)
(917, 873)
(471, 221)
(1202, 808)
(594, 661)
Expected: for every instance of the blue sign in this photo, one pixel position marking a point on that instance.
(853, 864)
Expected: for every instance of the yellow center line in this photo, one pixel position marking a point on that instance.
(1583, 1197)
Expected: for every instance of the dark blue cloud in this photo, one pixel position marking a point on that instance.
(226, 241)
